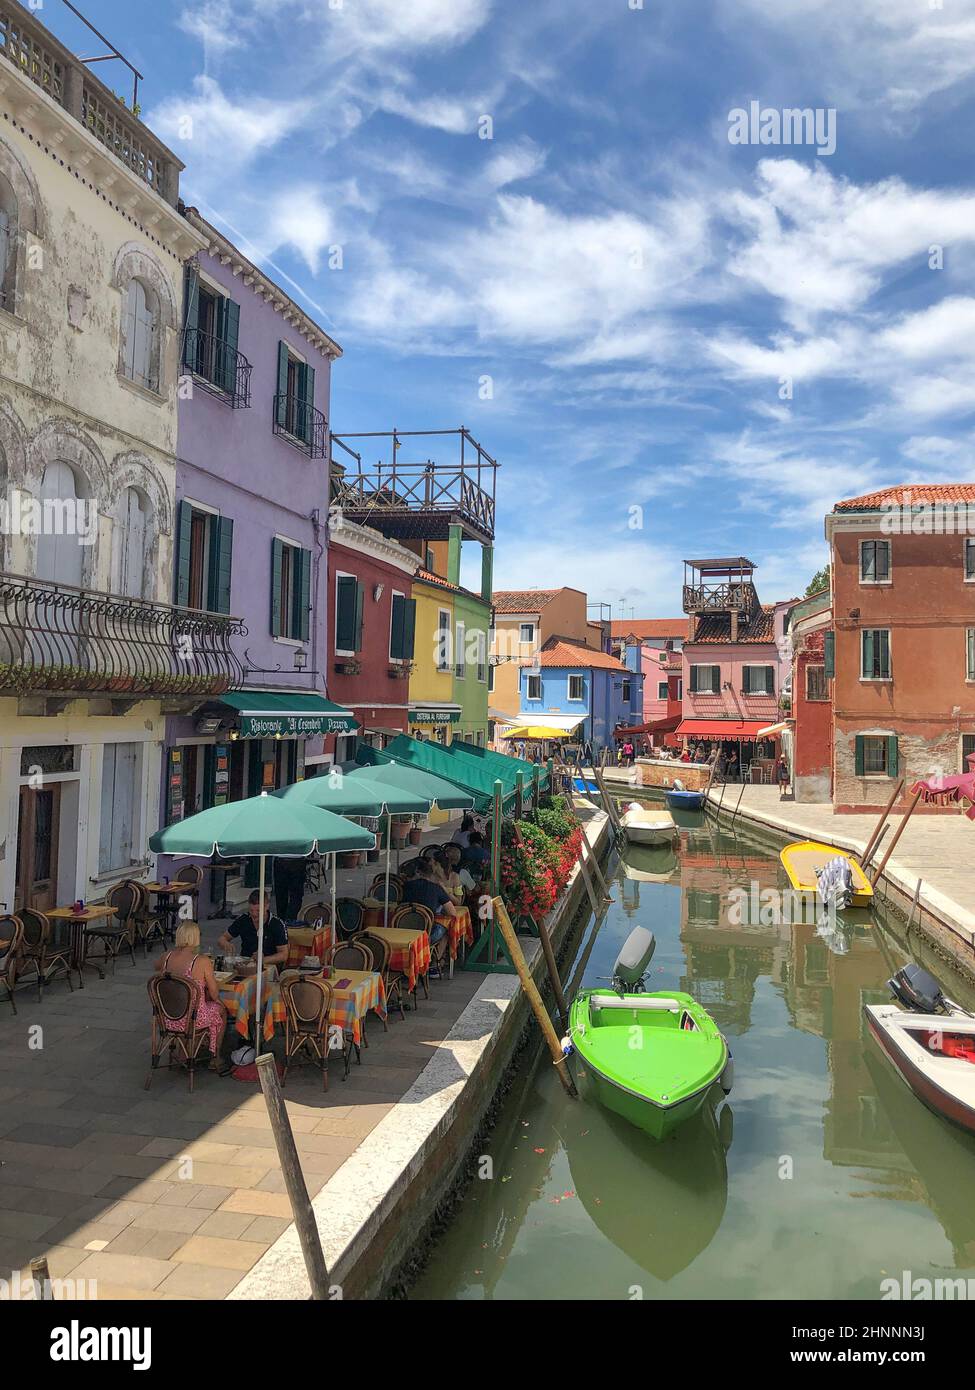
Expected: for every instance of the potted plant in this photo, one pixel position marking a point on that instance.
(400, 829)
(414, 831)
(349, 858)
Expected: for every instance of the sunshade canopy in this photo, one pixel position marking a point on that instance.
(470, 774)
(261, 825)
(535, 731)
(446, 794)
(740, 730)
(266, 713)
(504, 764)
(356, 796)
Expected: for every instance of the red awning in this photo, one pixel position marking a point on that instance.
(740, 730)
(652, 726)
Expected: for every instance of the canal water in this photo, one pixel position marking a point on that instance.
(818, 1178)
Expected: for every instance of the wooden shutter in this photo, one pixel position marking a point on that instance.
(858, 761)
(184, 522)
(360, 594)
(769, 679)
(397, 626)
(693, 680)
(303, 595)
(277, 549)
(281, 410)
(891, 755)
(715, 680)
(228, 321)
(345, 604)
(306, 389)
(867, 653)
(221, 553)
(409, 628)
(191, 316)
(829, 655)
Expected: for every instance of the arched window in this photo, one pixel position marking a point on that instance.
(60, 544)
(133, 521)
(8, 245)
(140, 358)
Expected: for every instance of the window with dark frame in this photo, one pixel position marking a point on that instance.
(874, 562)
(758, 680)
(705, 680)
(874, 756)
(816, 687)
(875, 654)
(533, 687)
(576, 688)
(970, 558)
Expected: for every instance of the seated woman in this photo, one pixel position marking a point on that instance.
(448, 876)
(184, 959)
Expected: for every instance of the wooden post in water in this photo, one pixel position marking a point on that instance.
(589, 888)
(614, 819)
(588, 849)
(875, 837)
(553, 970)
(301, 1208)
(534, 998)
(897, 834)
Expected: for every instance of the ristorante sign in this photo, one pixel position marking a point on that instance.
(295, 725)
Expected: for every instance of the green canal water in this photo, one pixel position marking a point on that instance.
(818, 1178)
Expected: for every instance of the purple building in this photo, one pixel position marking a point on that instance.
(251, 529)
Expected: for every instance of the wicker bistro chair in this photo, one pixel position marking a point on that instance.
(11, 944)
(43, 951)
(129, 900)
(349, 914)
(175, 1000)
(349, 955)
(313, 913)
(112, 932)
(307, 1004)
(377, 889)
(393, 980)
(192, 876)
(149, 924)
(415, 917)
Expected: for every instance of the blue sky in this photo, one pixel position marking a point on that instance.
(635, 286)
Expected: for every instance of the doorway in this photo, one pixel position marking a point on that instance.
(37, 847)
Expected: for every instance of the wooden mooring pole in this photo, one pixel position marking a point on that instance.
(553, 970)
(874, 840)
(534, 998)
(294, 1179)
(897, 834)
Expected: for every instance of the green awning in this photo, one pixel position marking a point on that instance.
(469, 774)
(504, 765)
(266, 713)
(447, 795)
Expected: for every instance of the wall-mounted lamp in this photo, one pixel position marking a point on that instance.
(301, 659)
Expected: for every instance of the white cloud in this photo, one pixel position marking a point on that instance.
(412, 24)
(209, 126)
(216, 23)
(302, 220)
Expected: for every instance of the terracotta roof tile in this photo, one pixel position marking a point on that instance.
(523, 600)
(716, 628)
(430, 578)
(650, 627)
(566, 654)
(908, 495)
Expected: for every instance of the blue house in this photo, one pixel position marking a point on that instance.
(586, 692)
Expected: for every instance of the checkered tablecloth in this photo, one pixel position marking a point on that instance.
(239, 998)
(409, 951)
(350, 1005)
(459, 928)
(307, 941)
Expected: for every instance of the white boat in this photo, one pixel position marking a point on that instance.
(647, 825)
(931, 1044)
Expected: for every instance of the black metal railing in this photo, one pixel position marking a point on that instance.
(54, 637)
(219, 368)
(301, 424)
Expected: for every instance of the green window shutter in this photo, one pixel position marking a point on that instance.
(858, 755)
(221, 556)
(829, 654)
(228, 328)
(891, 755)
(409, 629)
(693, 680)
(281, 412)
(191, 316)
(360, 594)
(303, 595)
(277, 549)
(769, 680)
(345, 592)
(306, 390)
(397, 626)
(184, 521)
(867, 658)
(716, 679)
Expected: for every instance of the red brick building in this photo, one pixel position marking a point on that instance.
(903, 639)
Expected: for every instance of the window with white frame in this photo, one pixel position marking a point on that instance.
(140, 329)
(480, 650)
(526, 634)
(576, 690)
(680, 690)
(533, 687)
(705, 680)
(875, 654)
(444, 640)
(460, 653)
(661, 690)
(758, 680)
(874, 562)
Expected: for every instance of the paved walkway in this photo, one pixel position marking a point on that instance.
(937, 849)
(159, 1193)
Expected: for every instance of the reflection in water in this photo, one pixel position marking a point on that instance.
(582, 1205)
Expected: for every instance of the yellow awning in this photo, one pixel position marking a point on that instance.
(536, 731)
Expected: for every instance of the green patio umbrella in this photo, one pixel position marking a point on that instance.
(447, 795)
(361, 796)
(260, 826)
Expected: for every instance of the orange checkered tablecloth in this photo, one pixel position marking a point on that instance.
(459, 928)
(239, 998)
(350, 1005)
(409, 951)
(307, 941)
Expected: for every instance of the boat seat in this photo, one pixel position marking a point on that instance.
(662, 1005)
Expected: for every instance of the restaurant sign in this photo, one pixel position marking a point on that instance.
(295, 725)
(434, 716)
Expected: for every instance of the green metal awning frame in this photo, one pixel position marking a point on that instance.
(278, 713)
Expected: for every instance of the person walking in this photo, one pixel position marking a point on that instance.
(782, 775)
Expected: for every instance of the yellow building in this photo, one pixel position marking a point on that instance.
(433, 711)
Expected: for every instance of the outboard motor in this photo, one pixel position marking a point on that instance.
(633, 961)
(917, 990)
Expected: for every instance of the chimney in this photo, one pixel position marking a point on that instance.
(734, 624)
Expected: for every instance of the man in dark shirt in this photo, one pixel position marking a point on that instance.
(244, 930)
(422, 887)
(477, 856)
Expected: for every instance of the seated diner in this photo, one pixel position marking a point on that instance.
(243, 931)
(184, 959)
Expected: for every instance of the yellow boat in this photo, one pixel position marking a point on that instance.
(803, 859)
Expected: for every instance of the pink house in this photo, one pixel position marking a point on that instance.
(660, 641)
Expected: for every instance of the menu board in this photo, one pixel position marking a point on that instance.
(221, 774)
(174, 786)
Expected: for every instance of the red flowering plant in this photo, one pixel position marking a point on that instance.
(538, 855)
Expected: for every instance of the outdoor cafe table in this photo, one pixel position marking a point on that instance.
(459, 929)
(307, 941)
(350, 1005)
(239, 998)
(167, 893)
(77, 920)
(409, 951)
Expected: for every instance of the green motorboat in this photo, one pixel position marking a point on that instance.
(651, 1058)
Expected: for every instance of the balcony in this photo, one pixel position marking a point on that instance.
(59, 641)
(302, 425)
(39, 56)
(411, 499)
(217, 368)
(720, 598)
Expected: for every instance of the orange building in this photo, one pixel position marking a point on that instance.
(902, 645)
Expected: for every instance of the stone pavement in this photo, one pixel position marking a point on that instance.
(159, 1193)
(938, 849)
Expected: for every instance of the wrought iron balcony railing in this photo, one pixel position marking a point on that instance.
(301, 424)
(218, 368)
(56, 638)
